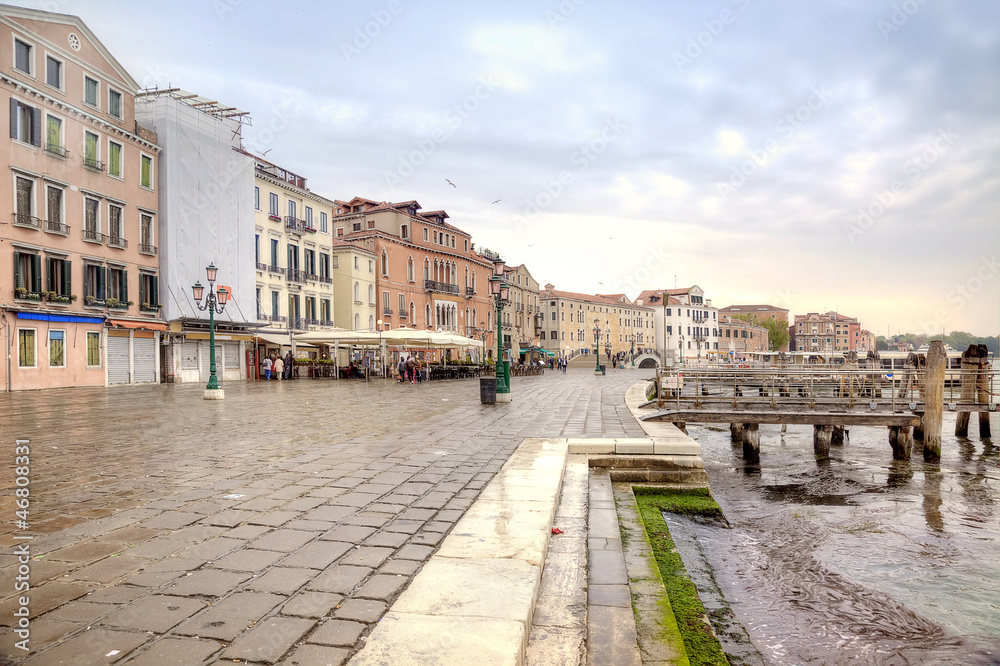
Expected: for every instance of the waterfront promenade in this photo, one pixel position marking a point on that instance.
(277, 525)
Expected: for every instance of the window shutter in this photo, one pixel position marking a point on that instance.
(36, 127)
(86, 281)
(13, 118)
(17, 270)
(101, 275)
(36, 260)
(124, 286)
(67, 277)
(49, 261)
(154, 296)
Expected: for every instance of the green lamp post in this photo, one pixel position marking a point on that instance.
(214, 302)
(632, 341)
(597, 346)
(501, 293)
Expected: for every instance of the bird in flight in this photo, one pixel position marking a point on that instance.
(267, 151)
(497, 201)
(450, 183)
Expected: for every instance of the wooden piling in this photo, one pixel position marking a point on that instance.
(983, 390)
(969, 374)
(837, 435)
(900, 441)
(736, 432)
(751, 443)
(822, 434)
(937, 359)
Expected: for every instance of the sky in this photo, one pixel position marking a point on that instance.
(809, 155)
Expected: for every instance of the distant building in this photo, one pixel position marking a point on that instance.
(830, 332)
(686, 324)
(757, 313)
(738, 337)
(521, 316)
(568, 322)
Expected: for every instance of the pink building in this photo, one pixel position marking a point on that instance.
(80, 239)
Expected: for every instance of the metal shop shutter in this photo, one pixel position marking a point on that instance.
(145, 360)
(206, 361)
(117, 360)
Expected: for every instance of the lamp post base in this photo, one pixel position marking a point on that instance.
(503, 397)
(214, 394)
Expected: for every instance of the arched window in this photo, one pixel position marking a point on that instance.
(413, 313)
(371, 322)
(371, 294)
(427, 315)
(473, 283)
(385, 264)
(489, 321)
(454, 273)
(357, 321)
(357, 292)
(427, 269)
(409, 269)
(474, 317)
(466, 277)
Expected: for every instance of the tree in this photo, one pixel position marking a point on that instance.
(777, 330)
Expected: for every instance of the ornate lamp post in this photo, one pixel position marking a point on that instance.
(214, 302)
(482, 333)
(501, 294)
(680, 347)
(632, 341)
(597, 346)
(381, 349)
(607, 338)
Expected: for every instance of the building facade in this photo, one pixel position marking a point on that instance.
(830, 332)
(83, 306)
(569, 319)
(428, 275)
(738, 338)
(521, 316)
(757, 313)
(687, 326)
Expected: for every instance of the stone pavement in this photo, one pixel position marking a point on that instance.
(276, 526)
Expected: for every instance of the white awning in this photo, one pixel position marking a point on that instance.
(281, 339)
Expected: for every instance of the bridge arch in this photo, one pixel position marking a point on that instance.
(647, 361)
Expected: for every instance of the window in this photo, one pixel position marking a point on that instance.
(117, 286)
(357, 292)
(310, 259)
(292, 212)
(356, 226)
(114, 159)
(94, 277)
(409, 269)
(93, 349)
(115, 231)
(355, 263)
(26, 347)
(323, 222)
(59, 274)
(402, 304)
(24, 201)
(371, 294)
(149, 292)
(371, 265)
(27, 273)
(90, 91)
(146, 172)
(91, 220)
(340, 232)
(309, 217)
(425, 233)
(324, 265)
(146, 240)
(53, 72)
(53, 135)
(274, 253)
(336, 261)
(256, 198)
(23, 59)
(385, 303)
(404, 231)
(357, 321)
(273, 204)
(324, 311)
(91, 151)
(57, 350)
(114, 103)
(275, 304)
(25, 123)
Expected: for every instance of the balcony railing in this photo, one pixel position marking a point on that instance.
(149, 307)
(326, 280)
(56, 149)
(313, 322)
(146, 248)
(298, 323)
(118, 242)
(27, 221)
(279, 318)
(261, 266)
(402, 314)
(386, 312)
(295, 275)
(298, 226)
(54, 227)
(93, 236)
(94, 164)
(469, 291)
(443, 287)
(327, 322)
(312, 276)
(274, 268)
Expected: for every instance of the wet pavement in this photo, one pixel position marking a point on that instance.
(276, 526)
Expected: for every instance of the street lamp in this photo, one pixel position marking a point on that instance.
(482, 333)
(632, 341)
(381, 349)
(597, 346)
(500, 291)
(680, 347)
(607, 338)
(214, 302)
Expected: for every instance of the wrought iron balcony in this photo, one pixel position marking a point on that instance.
(443, 287)
(386, 312)
(27, 221)
(118, 242)
(274, 268)
(402, 314)
(56, 149)
(261, 266)
(298, 323)
(93, 236)
(326, 280)
(469, 291)
(313, 322)
(296, 225)
(295, 275)
(312, 276)
(94, 164)
(146, 248)
(54, 227)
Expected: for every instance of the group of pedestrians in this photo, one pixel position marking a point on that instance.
(619, 359)
(409, 370)
(280, 368)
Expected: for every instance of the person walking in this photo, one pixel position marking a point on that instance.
(289, 364)
(409, 370)
(266, 367)
(279, 367)
(416, 370)
(401, 369)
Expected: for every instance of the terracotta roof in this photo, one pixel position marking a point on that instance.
(751, 308)
(648, 295)
(591, 298)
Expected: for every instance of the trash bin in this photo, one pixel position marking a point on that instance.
(488, 390)
(604, 369)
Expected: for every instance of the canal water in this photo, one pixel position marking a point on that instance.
(859, 559)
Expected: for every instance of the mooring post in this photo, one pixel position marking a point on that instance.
(822, 434)
(900, 441)
(983, 390)
(969, 376)
(937, 359)
(736, 432)
(837, 435)
(751, 443)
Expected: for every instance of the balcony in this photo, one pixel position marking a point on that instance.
(386, 312)
(118, 242)
(518, 308)
(92, 236)
(28, 221)
(115, 304)
(298, 323)
(274, 268)
(54, 227)
(295, 275)
(56, 149)
(312, 276)
(443, 287)
(279, 318)
(469, 292)
(146, 248)
(327, 322)
(402, 314)
(93, 164)
(261, 267)
(325, 280)
(313, 322)
(149, 308)
(295, 225)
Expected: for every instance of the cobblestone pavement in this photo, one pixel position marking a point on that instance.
(275, 526)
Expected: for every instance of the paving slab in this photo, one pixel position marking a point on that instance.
(269, 640)
(311, 604)
(173, 651)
